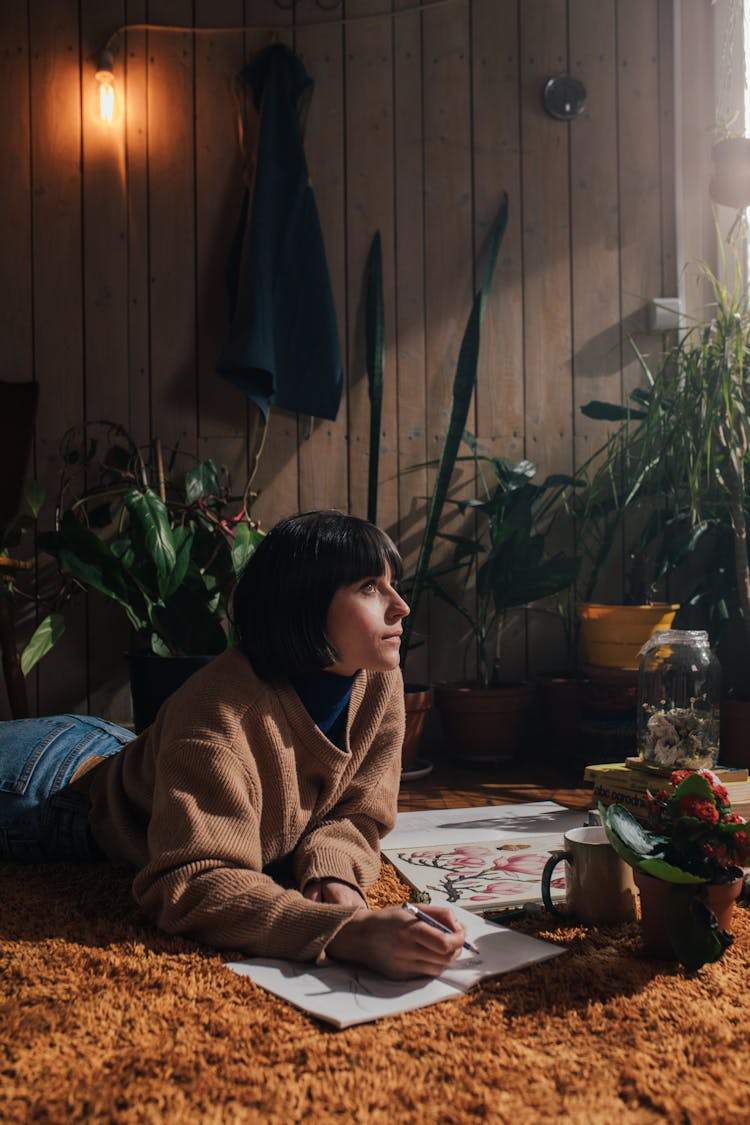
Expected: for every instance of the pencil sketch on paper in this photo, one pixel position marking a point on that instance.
(481, 876)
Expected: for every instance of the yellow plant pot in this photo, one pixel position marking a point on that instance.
(613, 634)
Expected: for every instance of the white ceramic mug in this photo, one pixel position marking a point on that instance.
(599, 886)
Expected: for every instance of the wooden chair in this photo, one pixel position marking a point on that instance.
(18, 403)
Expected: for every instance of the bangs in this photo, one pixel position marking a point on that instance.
(366, 552)
(281, 602)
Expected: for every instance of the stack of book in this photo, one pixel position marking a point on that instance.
(627, 783)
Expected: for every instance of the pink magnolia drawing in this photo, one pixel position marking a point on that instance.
(483, 873)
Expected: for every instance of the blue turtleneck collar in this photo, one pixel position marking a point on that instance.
(325, 696)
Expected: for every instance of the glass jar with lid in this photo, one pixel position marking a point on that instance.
(679, 695)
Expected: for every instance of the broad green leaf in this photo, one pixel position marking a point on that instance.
(186, 624)
(86, 558)
(245, 541)
(694, 786)
(45, 636)
(667, 872)
(158, 647)
(183, 542)
(34, 496)
(692, 929)
(202, 480)
(151, 519)
(628, 837)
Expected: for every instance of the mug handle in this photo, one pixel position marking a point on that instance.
(549, 867)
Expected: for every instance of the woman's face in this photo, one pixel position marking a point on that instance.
(364, 625)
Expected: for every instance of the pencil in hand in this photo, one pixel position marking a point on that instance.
(420, 914)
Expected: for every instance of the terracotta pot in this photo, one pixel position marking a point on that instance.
(734, 732)
(720, 898)
(418, 699)
(558, 714)
(483, 726)
(613, 634)
(610, 690)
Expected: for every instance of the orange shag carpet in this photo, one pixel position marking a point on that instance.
(105, 1019)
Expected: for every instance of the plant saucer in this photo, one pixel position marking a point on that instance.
(421, 769)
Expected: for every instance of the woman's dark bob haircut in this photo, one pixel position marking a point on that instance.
(281, 601)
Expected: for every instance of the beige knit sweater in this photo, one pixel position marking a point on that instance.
(234, 776)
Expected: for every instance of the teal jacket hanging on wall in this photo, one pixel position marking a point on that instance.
(282, 347)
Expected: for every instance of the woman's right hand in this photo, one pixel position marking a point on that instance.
(395, 943)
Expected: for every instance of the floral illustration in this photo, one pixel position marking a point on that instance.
(479, 874)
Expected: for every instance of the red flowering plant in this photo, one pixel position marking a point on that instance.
(693, 839)
(702, 836)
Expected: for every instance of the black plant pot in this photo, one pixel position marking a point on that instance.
(154, 678)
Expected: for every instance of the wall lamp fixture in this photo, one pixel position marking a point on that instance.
(106, 79)
(105, 61)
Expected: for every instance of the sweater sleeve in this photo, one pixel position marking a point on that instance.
(346, 845)
(204, 877)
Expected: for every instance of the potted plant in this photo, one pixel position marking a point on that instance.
(687, 866)
(503, 549)
(164, 542)
(616, 497)
(687, 441)
(22, 589)
(419, 696)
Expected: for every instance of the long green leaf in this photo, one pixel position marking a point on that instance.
(45, 636)
(374, 359)
(34, 496)
(463, 388)
(83, 555)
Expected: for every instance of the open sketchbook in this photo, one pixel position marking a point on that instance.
(346, 995)
(481, 859)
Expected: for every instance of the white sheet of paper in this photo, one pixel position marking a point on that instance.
(345, 996)
(479, 824)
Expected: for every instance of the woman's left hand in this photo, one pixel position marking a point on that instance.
(333, 890)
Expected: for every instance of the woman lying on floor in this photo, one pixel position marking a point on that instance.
(252, 809)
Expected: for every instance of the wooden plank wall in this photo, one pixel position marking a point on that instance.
(115, 241)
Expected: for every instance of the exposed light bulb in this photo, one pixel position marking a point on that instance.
(106, 80)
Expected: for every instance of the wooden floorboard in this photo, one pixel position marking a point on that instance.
(451, 786)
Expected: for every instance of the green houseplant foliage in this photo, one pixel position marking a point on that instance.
(464, 382)
(679, 457)
(22, 585)
(695, 839)
(166, 551)
(508, 546)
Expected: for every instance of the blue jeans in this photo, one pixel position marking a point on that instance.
(40, 817)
